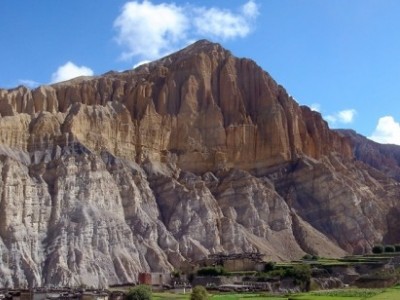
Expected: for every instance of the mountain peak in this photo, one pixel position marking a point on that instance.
(203, 44)
(200, 46)
(189, 57)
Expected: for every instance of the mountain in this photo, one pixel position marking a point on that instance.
(197, 153)
(384, 157)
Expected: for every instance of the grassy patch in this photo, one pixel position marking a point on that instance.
(222, 296)
(364, 293)
(170, 296)
(390, 294)
(351, 294)
(340, 294)
(314, 297)
(245, 297)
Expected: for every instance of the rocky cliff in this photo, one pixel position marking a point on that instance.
(199, 152)
(384, 157)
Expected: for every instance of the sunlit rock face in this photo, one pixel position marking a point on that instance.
(197, 153)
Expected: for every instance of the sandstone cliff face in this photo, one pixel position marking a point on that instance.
(197, 153)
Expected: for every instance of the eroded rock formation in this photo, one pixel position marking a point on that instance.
(197, 153)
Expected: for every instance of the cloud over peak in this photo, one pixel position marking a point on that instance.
(387, 131)
(29, 83)
(344, 116)
(69, 71)
(315, 107)
(225, 24)
(149, 31)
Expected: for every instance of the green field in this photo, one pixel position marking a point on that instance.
(388, 294)
(245, 297)
(345, 294)
(170, 296)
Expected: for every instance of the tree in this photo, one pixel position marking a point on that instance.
(300, 272)
(389, 248)
(140, 292)
(199, 293)
(377, 249)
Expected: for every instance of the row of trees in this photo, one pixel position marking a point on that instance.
(300, 273)
(386, 248)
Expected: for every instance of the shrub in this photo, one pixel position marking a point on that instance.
(310, 257)
(199, 293)
(389, 248)
(377, 249)
(269, 266)
(397, 247)
(276, 273)
(211, 271)
(140, 292)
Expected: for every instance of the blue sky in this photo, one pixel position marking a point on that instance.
(341, 57)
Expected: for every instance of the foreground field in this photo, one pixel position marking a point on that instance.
(168, 296)
(347, 294)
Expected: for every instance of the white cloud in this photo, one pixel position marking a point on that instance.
(315, 107)
(142, 62)
(148, 30)
(331, 119)
(387, 131)
(29, 83)
(250, 9)
(221, 23)
(344, 116)
(69, 71)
